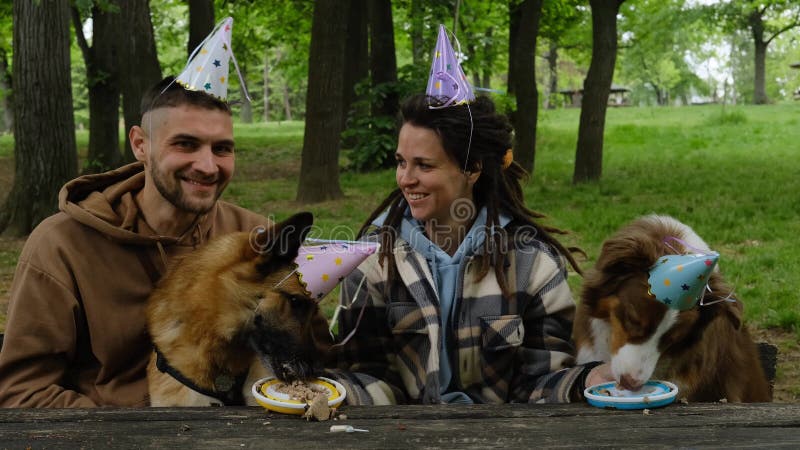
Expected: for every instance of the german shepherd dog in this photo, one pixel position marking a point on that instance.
(232, 312)
(705, 350)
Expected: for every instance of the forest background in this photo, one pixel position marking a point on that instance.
(707, 87)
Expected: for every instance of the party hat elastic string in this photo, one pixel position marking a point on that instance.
(728, 298)
(469, 142)
(685, 245)
(340, 307)
(284, 278)
(241, 79)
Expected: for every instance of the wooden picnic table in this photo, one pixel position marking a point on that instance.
(719, 425)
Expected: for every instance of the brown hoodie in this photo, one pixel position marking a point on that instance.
(76, 335)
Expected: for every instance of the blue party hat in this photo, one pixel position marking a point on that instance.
(678, 281)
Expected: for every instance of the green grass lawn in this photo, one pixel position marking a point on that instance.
(730, 176)
(730, 173)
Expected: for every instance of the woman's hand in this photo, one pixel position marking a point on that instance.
(599, 374)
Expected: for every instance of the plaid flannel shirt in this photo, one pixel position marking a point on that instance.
(516, 350)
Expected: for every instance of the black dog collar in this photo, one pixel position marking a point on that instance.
(228, 390)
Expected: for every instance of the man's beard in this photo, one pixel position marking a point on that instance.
(173, 192)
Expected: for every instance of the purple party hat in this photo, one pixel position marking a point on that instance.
(207, 68)
(447, 81)
(321, 264)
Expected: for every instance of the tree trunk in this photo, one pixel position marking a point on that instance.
(552, 70)
(6, 94)
(514, 18)
(487, 68)
(382, 59)
(103, 84)
(417, 17)
(356, 66)
(201, 22)
(757, 29)
(596, 88)
(265, 79)
(523, 77)
(287, 104)
(44, 125)
(319, 168)
(138, 62)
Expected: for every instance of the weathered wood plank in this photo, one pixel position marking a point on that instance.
(477, 426)
(768, 412)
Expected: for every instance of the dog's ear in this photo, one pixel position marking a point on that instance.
(280, 242)
(291, 234)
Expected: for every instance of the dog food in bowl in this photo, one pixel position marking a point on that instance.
(314, 398)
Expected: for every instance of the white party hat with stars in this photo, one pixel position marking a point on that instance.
(207, 68)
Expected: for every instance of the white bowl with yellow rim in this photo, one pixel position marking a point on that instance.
(266, 394)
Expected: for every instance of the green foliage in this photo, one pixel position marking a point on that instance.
(560, 17)
(6, 145)
(779, 21)
(375, 142)
(6, 27)
(375, 137)
(171, 32)
(272, 36)
(656, 36)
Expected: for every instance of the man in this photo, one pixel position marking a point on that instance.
(76, 334)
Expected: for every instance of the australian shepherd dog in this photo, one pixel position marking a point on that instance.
(231, 312)
(705, 350)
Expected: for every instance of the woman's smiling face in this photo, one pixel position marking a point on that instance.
(431, 181)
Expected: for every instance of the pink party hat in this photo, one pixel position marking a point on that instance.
(447, 81)
(207, 68)
(678, 281)
(321, 265)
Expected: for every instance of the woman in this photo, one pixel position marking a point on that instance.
(467, 299)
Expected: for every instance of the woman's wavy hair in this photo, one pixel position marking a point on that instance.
(499, 189)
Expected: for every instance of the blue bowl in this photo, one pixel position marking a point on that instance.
(654, 394)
